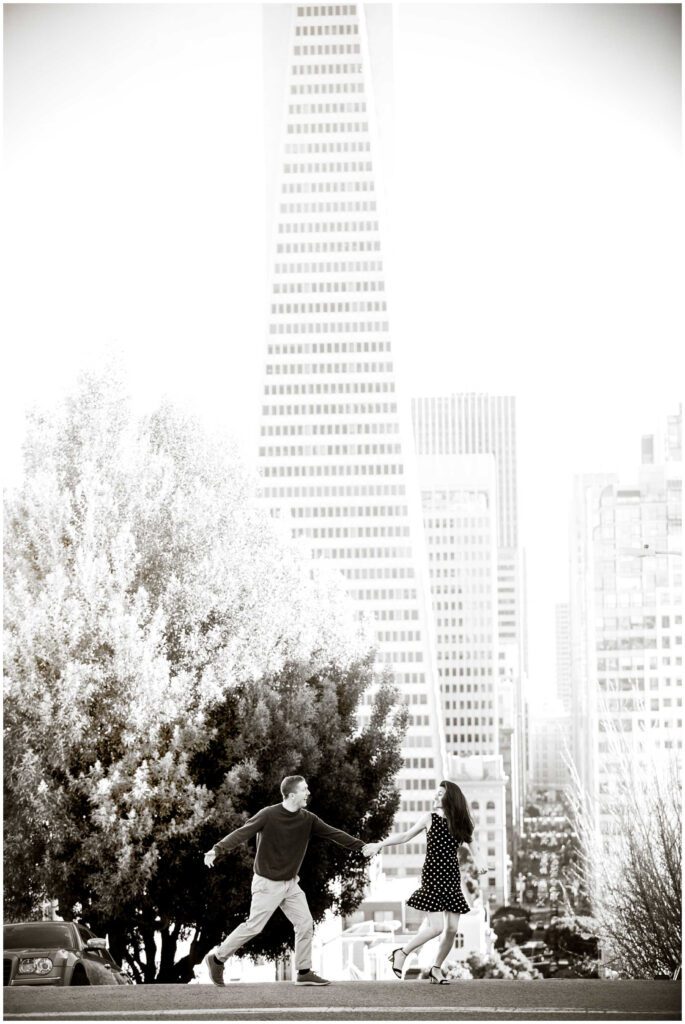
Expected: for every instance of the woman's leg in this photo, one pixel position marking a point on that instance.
(449, 931)
(434, 927)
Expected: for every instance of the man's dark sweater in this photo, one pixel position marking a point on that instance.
(282, 840)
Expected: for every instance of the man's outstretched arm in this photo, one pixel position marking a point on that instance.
(335, 835)
(235, 838)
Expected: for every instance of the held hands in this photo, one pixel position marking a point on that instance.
(210, 857)
(370, 849)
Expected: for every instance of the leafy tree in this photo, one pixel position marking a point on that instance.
(167, 660)
(511, 923)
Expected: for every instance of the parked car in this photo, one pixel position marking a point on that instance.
(57, 953)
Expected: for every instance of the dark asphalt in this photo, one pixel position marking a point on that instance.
(348, 1000)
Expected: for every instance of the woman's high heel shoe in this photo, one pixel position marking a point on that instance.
(436, 979)
(397, 971)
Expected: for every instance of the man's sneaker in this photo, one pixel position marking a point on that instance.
(310, 978)
(216, 970)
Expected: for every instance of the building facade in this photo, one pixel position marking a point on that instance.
(335, 450)
(458, 494)
(478, 425)
(630, 709)
(550, 748)
(563, 656)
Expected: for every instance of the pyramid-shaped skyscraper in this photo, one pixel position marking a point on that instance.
(335, 448)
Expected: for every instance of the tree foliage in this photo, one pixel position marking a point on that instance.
(167, 660)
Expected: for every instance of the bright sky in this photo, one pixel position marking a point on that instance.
(534, 181)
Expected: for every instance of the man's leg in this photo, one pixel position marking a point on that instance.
(266, 896)
(296, 909)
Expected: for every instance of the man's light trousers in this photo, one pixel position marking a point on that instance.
(267, 896)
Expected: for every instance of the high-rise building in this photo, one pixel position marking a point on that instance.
(335, 452)
(550, 747)
(459, 516)
(563, 652)
(586, 490)
(626, 604)
(459, 495)
(472, 424)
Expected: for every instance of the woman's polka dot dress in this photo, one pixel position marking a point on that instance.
(440, 875)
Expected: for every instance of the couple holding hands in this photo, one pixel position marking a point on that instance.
(283, 832)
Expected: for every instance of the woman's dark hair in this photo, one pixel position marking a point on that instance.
(459, 820)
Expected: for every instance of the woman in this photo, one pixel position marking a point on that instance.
(440, 895)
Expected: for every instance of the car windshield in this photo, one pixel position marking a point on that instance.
(38, 935)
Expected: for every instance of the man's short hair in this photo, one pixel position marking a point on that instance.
(290, 784)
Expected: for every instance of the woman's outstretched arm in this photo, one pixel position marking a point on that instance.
(397, 838)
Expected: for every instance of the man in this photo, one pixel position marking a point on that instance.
(283, 832)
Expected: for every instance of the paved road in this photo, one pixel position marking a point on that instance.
(347, 1000)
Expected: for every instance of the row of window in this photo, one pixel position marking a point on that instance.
(330, 167)
(396, 594)
(327, 227)
(327, 49)
(635, 662)
(467, 687)
(352, 107)
(355, 306)
(355, 554)
(334, 267)
(329, 429)
(326, 127)
(346, 408)
(309, 287)
(326, 69)
(376, 490)
(394, 572)
(346, 147)
(343, 245)
(460, 556)
(467, 739)
(297, 369)
(468, 705)
(419, 720)
(420, 762)
(436, 539)
(290, 188)
(323, 88)
(327, 11)
(362, 469)
(326, 30)
(288, 451)
(350, 532)
(342, 206)
(396, 614)
(469, 720)
(398, 636)
(328, 327)
(347, 511)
